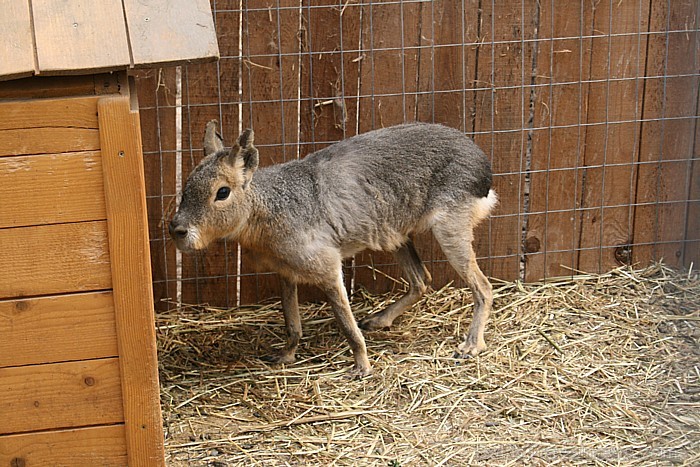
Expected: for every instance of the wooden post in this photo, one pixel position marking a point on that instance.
(120, 137)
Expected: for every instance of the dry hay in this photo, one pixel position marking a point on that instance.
(587, 370)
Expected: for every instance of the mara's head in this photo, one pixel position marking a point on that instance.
(213, 202)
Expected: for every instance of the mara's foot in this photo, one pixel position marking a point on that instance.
(359, 372)
(283, 356)
(471, 347)
(375, 322)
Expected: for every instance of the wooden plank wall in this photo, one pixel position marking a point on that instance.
(59, 351)
(78, 363)
(589, 113)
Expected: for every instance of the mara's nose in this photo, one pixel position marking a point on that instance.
(177, 231)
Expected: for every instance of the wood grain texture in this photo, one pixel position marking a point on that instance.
(72, 112)
(54, 259)
(82, 447)
(501, 111)
(16, 41)
(60, 395)
(48, 125)
(47, 87)
(131, 271)
(79, 37)
(51, 189)
(585, 164)
(609, 183)
(691, 251)
(47, 141)
(552, 238)
(57, 329)
(167, 31)
(668, 138)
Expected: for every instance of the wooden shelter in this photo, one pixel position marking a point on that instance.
(78, 363)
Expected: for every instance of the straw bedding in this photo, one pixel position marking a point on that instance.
(585, 370)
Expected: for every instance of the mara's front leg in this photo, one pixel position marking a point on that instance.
(292, 321)
(338, 298)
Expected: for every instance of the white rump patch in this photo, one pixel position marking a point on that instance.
(484, 206)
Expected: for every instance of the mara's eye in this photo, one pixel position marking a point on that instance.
(223, 193)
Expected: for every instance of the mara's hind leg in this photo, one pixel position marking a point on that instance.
(418, 279)
(454, 233)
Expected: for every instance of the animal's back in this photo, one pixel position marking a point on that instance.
(408, 155)
(374, 189)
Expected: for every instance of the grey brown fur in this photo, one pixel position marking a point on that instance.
(372, 191)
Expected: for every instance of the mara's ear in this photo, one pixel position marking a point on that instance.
(243, 156)
(246, 138)
(213, 142)
(245, 150)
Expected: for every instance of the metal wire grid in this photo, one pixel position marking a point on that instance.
(528, 87)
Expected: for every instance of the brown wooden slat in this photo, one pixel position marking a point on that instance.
(78, 112)
(665, 179)
(325, 116)
(51, 189)
(505, 111)
(562, 149)
(60, 395)
(120, 135)
(44, 87)
(54, 259)
(57, 329)
(609, 144)
(352, 65)
(167, 31)
(348, 114)
(82, 447)
(556, 153)
(16, 41)
(691, 252)
(47, 141)
(51, 125)
(79, 37)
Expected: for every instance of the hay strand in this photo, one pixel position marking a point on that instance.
(584, 370)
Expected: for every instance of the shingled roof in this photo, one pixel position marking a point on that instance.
(58, 37)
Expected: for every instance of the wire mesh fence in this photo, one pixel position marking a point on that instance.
(588, 111)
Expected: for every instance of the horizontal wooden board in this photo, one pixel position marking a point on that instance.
(170, 31)
(48, 87)
(46, 126)
(60, 395)
(57, 329)
(54, 259)
(48, 141)
(54, 113)
(85, 447)
(16, 41)
(79, 36)
(50, 189)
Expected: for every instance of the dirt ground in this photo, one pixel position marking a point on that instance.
(585, 370)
